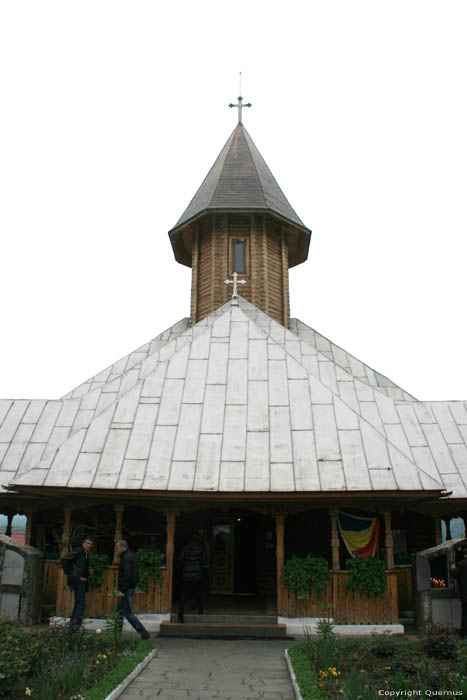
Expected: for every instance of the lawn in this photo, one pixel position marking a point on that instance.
(57, 664)
(383, 666)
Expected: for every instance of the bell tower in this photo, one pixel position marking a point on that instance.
(240, 221)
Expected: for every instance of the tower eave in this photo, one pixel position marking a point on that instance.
(181, 237)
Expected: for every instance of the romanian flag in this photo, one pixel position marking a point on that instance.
(360, 535)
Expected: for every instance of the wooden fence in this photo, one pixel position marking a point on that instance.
(345, 607)
(98, 602)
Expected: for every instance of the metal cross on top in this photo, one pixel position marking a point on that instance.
(240, 107)
(235, 282)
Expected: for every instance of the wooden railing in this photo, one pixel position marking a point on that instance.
(98, 602)
(346, 607)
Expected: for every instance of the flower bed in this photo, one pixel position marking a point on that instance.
(386, 666)
(57, 664)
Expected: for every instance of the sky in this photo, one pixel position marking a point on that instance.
(112, 113)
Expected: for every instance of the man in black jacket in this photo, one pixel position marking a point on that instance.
(127, 580)
(75, 564)
(193, 562)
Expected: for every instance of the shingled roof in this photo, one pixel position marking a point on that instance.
(239, 180)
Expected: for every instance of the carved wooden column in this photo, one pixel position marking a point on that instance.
(65, 541)
(169, 559)
(27, 536)
(334, 540)
(119, 509)
(447, 523)
(388, 541)
(9, 523)
(280, 563)
(437, 528)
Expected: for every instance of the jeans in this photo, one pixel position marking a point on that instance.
(124, 607)
(80, 603)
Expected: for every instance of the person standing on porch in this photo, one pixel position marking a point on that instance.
(127, 580)
(75, 564)
(193, 563)
(460, 573)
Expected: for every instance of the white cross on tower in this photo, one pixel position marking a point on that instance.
(235, 282)
(239, 107)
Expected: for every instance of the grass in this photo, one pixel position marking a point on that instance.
(361, 669)
(118, 674)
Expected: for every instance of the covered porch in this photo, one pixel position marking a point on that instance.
(248, 542)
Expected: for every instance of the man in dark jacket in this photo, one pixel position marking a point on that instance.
(193, 563)
(75, 564)
(459, 571)
(127, 580)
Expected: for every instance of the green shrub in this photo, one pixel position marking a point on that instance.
(440, 642)
(366, 576)
(302, 574)
(18, 652)
(99, 563)
(382, 645)
(149, 566)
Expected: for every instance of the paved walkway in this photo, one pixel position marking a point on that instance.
(195, 668)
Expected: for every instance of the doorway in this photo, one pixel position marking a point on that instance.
(240, 549)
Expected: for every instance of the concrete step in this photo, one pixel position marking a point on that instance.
(225, 619)
(223, 630)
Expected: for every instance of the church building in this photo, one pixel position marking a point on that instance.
(242, 422)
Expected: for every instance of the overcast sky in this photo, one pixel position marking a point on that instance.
(112, 114)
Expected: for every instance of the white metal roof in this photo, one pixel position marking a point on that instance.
(237, 403)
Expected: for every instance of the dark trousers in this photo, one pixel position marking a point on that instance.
(124, 608)
(80, 603)
(194, 591)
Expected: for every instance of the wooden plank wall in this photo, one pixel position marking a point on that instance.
(98, 603)
(347, 608)
(267, 276)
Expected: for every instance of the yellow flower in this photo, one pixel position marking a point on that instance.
(97, 662)
(387, 668)
(28, 691)
(341, 692)
(362, 670)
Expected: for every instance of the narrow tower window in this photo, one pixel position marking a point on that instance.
(239, 249)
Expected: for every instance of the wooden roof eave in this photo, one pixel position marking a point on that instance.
(415, 496)
(181, 246)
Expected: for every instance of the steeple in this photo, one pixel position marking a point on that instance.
(240, 221)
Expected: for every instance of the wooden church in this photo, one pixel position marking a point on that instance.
(241, 421)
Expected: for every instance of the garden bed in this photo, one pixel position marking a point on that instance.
(383, 666)
(57, 664)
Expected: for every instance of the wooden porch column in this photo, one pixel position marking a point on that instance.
(280, 562)
(388, 541)
(447, 523)
(169, 560)
(437, 527)
(119, 508)
(27, 536)
(334, 540)
(9, 523)
(65, 541)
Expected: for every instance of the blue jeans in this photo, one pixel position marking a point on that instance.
(80, 603)
(124, 607)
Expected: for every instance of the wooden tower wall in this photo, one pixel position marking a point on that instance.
(267, 273)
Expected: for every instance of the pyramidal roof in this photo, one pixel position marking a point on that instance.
(236, 404)
(240, 180)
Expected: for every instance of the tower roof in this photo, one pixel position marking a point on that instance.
(240, 180)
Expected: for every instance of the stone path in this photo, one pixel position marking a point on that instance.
(194, 668)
